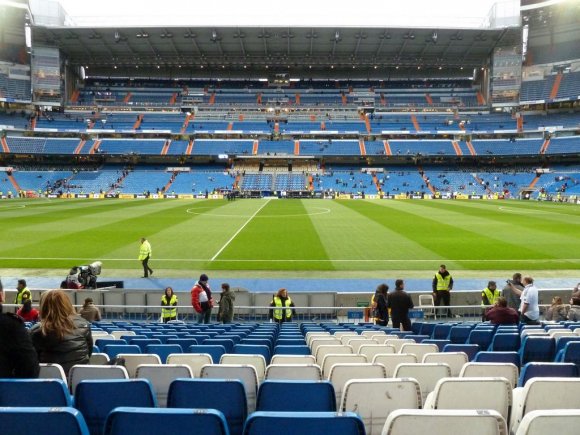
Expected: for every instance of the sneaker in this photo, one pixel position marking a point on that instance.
(150, 272)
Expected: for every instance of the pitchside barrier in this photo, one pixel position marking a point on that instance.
(145, 306)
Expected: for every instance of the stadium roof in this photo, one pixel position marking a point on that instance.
(254, 50)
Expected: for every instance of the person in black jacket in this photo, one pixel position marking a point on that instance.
(18, 358)
(62, 336)
(400, 303)
(380, 305)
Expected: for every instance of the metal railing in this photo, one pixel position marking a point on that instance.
(425, 313)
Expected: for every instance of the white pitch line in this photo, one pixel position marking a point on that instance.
(238, 232)
(336, 260)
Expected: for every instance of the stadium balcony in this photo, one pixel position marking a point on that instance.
(284, 147)
(131, 146)
(507, 147)
(330, 147)
(214, 147)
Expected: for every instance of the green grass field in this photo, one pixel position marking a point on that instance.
(291, 235)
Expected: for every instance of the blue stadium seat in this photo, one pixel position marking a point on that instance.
(459, 334)
(481, 337)
(183, 342)
(416, 327)
(34, 392)
(227, 343)
(570, 353)
(250, 349)
(214, 351)
(296, 396)
(102, 342)
(505, 342)
(292, 350)
(427, 329)
(537, 348)
(163, 337)
(441, 331)
(283, 341)
(165, 421)
(164, 350)
(96, 399)
(144, 342)
(210, 393)
(311, 423)
(498, 357)
(42, 420)
(563, 341)
(470, 349)
(112, 350)
(264, 340)
(547, 370)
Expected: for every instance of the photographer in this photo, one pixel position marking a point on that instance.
(513, 290)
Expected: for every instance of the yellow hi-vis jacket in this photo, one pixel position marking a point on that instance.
(171, 311)
(443, 283)
(144, 250)
(278, 313)
(491, 296)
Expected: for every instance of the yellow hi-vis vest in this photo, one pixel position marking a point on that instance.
(144, 250)
(491, 295)
(171, 310)
(278, 313)
(443, 283)
(22, 296)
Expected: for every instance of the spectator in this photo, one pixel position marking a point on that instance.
(61, 337)
(400, 303)
(557, 311)
(513, 291)
(379, 305)
(18, 359)
(281, 299)
(28, 313)
(89, 311)
(168, 305)
(226, 304)
(144, 256)
(22, 293)
(529, 309)
(442, 286)
(201, 299)
(574, 312)
(501, 314)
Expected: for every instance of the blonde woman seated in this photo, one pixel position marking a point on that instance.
(62, 336)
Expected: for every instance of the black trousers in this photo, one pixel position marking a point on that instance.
(404, 321)
(146, 269)
(443, 298)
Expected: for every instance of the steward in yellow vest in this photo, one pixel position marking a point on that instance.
(284, 304)
(169, 300)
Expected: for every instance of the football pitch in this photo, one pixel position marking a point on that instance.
(306, 236)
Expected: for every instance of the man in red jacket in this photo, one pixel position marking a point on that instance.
(201, 299)
(501, 314)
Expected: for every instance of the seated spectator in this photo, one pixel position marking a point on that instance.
(557, 311)
(574, 312)
(18, 358)
(89, 311)
(501, 314)
(61, 337)
(28, 313)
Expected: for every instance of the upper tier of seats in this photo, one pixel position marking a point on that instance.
(320, 147)
(378, 123)
(553, 87)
